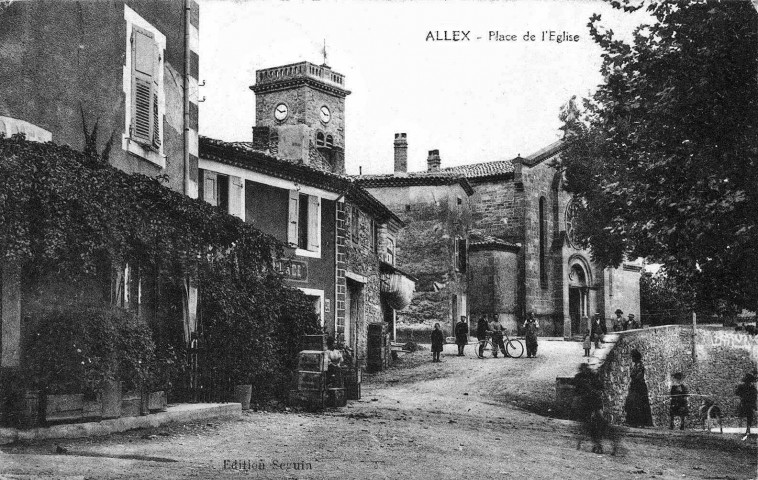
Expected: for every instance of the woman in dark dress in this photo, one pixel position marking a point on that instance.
(637, 405)
(437, 342)
(748, 395)
(461, 334)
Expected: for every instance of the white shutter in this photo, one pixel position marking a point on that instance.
(314, 223)
(210, 187)
(144, 91)
(293, 216)
(236, 200)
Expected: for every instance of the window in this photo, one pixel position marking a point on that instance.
(302, 223)
(209, 190)
(143, 88)
(373, 234)
(460, 254)
(329, 141)
(304, 227)
(390, 255)
(319, 139)
(355, 219)
(273, 139)
(542, 241)
(214, 189)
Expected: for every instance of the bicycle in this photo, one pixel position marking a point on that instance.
(513, 347)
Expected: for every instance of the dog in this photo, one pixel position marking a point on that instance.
(710, 415)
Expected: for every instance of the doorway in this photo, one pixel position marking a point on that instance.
(353, 302)
(578, 296)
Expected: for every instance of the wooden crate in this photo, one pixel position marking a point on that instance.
(309, 381)
(64, 408)
(308, 399)
(312, 361)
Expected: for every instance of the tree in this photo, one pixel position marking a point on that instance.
(664, 155)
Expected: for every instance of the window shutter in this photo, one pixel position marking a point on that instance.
(144, 91)
(314, 227)
(209, 188)
(293, 216)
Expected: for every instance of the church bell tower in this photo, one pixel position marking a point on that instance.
(300, 115)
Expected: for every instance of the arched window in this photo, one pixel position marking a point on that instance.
(320, 139)
(329, 141)
(543, 241)
(273, 138)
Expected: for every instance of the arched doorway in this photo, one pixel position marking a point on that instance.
(578, 297)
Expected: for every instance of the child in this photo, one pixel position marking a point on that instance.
(437, 341)
(679, 406)
(587, 343)
(748, 394)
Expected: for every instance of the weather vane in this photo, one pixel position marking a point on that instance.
(323, 52)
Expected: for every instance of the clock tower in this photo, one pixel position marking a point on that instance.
(300, 114)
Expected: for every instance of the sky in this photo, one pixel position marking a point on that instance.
(475, 100)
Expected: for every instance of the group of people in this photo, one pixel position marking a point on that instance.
(484, 328)
(746, 392)
(597, 328)
(637, 406)
(620, 323)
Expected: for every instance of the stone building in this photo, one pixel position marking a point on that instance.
(516, 221)
(289, 182)
(435, 206)
(531, 262)
(128, 71)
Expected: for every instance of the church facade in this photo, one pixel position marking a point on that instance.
(522, 253)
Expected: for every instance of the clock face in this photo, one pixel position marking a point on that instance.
(326, 115)
(281, 111)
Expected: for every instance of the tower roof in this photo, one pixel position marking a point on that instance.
(320, 77)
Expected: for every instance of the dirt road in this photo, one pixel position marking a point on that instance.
(456, 419)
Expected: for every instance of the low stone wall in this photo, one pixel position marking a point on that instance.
(721, 358)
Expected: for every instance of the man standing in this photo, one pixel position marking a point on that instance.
(633, 323)
(622, 322)
(497, 337)
(597, 329)
(530, 328)
(461, 334)
(481, 334)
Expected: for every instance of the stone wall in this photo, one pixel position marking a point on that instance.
(426, 249)
(358, 263)
(495, 209)
(722, 357)
(623, 290)
(62, 60)
(493, 284)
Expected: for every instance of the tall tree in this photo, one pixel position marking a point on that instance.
(664, 155)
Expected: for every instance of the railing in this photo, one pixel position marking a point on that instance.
(296, 70)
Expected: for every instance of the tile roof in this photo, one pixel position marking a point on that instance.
(504, 168)
(415, 179)
(242, 155)
(486, 169)
(480, 241)
(544, 153)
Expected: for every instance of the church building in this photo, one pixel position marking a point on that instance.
(522, 253)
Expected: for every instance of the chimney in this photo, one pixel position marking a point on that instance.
(401, 153)
(433, 161)
(261, 138)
